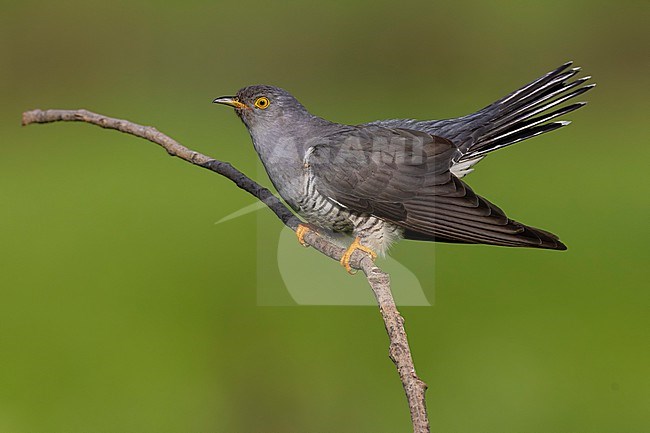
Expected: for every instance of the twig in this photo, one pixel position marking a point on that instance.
(379, 281)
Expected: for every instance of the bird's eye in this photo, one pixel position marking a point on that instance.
(262, 102)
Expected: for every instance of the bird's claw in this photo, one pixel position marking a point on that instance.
(347, 255)
(301, 231)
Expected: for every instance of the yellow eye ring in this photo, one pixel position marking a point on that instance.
(262, 103)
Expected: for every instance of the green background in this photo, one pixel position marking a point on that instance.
(124, 308)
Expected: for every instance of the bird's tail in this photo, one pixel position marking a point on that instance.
(524, 113)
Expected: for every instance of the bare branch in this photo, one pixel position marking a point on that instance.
(379, 281)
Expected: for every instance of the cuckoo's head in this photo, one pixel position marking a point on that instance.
(264, 106)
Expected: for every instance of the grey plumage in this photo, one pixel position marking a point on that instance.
(402, 178)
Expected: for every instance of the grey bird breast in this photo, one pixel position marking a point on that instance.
(286, 164)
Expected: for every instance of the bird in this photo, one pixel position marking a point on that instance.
(394, 179)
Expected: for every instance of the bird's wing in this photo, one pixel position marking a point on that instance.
(404, 176)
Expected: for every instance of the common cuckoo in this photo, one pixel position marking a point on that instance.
(401, 178)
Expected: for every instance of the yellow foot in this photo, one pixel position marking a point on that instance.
(356, 245)
(301, 231)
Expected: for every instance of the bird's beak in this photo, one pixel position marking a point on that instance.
(230, 100)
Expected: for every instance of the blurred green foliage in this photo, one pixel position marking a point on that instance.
(124, 308)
